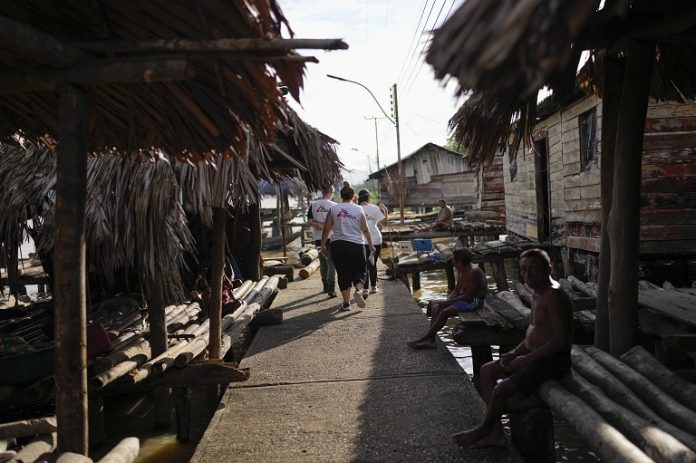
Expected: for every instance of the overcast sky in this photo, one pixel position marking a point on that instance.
(380, 34)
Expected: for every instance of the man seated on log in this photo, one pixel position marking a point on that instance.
(445, 218)
(468, 295)
(543, 354)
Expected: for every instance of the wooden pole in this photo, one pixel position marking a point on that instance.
(612, 81)
(217, 45)
(217, 269)
(254, 247)
(69, 284)
(99, 72)
(624, 218)
(158, 344)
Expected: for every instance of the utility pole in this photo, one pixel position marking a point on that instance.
(374, 119)
(400, 176)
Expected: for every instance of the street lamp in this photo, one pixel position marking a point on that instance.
(394, 120)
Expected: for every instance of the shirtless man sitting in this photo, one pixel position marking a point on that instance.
(543, 354)
(467, 296)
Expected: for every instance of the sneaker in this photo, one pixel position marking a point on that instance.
(359, 299)
(365, 293)
(345, 307)
(373, 290)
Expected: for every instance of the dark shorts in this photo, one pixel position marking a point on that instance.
(469, 306)
(529, 378)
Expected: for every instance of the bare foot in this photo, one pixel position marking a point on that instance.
(477, 437)
(418, 345)
(492, 439)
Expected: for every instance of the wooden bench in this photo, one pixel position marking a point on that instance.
(627, 409)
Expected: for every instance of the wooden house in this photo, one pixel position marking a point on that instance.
(552, 191)
(433, 172)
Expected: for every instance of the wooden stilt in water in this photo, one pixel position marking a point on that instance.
(449, 271)
(531, 428)
(624, 218)
(498, 266)
(69, 285)
(183, 414)
(158, 344)
(415, 277)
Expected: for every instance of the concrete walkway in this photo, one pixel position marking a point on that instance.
(343, 386)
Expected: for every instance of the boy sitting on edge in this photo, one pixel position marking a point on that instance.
(467, 296)
(543, 354)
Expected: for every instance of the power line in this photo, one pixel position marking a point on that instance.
(413, 38)
(416, 60)
(430, 33)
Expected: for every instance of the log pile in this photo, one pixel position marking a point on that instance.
(133, 364)
(628, 409)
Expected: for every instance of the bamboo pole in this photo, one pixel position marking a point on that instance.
(70, 303)
(39, 445)
(624, 218)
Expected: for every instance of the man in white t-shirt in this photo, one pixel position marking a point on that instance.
(316, 216)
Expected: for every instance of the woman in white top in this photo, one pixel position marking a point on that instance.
(348, 225)
(376, 218)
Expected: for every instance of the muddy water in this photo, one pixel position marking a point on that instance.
(569, 446)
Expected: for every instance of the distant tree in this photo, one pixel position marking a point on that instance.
(453, 145)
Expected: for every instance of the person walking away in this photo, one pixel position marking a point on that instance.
(376, 219)
(316, 217)
(543, 354)
(347, 225)
(468, 295)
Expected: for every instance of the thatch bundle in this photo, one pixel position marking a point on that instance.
(503, 52)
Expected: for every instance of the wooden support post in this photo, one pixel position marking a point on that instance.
(96, 418)
(254, 246)
(612, 80)
(449, 271)
(416, 282)
(624, 218)
(480, 355)
(69, 285)
(498, 266)
(216, 269)
(183, 414)
(403, 276)
(158, 345)
(531, 428)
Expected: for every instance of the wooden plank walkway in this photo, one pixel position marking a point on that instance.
(333, 386)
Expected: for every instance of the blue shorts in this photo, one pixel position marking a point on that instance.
(469, 306)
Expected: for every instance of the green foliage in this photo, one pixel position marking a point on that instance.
(454, 145)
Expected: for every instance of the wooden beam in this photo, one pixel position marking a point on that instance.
(624, 218)
(70, 272)
(23, 39)
(216, 45)
(97, 72)
(254, 247)
(204, 374)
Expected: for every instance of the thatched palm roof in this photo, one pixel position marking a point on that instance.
(215, 106)
(503, 52)
(135, 204)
